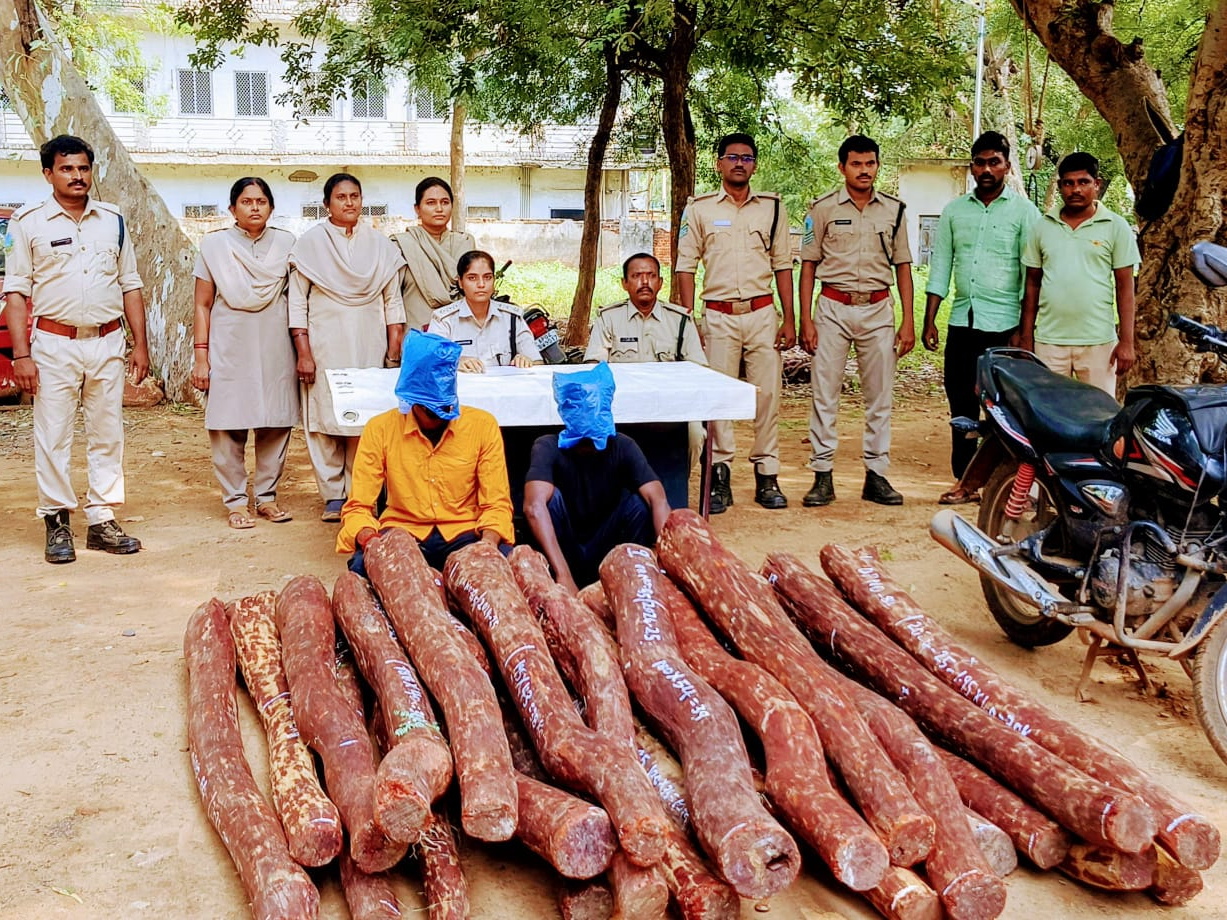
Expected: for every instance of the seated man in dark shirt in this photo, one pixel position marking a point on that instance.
(589, 488)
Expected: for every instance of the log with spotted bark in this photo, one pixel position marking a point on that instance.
(368, 896)
(751, 850)
(861, 576)
(276, 886)
(1096, 812)
(746, 611)
(445, 661)
(903, 895)
(312, 823)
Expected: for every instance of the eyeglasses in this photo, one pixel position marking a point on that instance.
(993, 163)
(735, 158)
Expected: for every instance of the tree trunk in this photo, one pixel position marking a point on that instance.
(1121, 85)
(589, 244)
(675, 123)
(460, 215)
(999, 67)
(51, 98)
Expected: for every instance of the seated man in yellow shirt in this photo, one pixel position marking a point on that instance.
(442, 464)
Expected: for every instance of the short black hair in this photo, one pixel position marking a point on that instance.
(64, 145)
(237, 189)
(858, 143)
(470, 257)
(626, 266)
(426, 185)
(736, 138)
(991, 140)
(1079, 161)
(336, 179)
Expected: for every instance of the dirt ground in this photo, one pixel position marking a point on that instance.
(99, 815)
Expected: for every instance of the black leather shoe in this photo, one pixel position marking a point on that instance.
(822, 492)
(877, 489)
(59, 539)
(721, 488)
(109, 538)
(767, 491)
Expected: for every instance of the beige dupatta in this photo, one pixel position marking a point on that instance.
(432, 263)
(320, 257)
(244, 282)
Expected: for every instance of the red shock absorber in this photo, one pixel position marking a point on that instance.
(1019, 494)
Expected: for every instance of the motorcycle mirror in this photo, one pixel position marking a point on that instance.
(1210, 263)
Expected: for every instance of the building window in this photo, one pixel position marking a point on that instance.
(484, 212)
(370, 99)
(427, 105)
(129, 102)
(374, 210)
(250, 94)
(200, 210)
(566, 213)
(5, 105)
(195, 92)
(319, 211)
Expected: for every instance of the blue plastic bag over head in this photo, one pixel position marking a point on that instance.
(585, 403)
(428, 374)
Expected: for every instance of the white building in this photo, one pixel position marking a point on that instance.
(223, 124)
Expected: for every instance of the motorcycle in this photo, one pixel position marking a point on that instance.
(1105, 518)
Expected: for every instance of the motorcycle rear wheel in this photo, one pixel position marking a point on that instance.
(1210, 687)
(1022, 623)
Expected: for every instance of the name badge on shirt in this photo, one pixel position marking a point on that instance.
(464, 341)
(846, 220)
(722, 223)
(629, 338)
(67, 241)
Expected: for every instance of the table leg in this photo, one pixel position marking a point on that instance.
(705, 474)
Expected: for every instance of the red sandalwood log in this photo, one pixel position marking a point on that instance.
(861, 576)
(796, 777)
(1098, 813)
(447, 891)
(572, 836)
(593, 597)
(276, 886)
(590, 900)
(1174, 884)
(743, 607)
(312, 823)
(639, 892)
(328, 721)
(445, 661)
(994, 843)
(480, 579)
(1109, 869)
(1040, 839)
(753, 853)
(369, 897)
(903, 895)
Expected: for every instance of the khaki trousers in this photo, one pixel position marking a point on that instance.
(751, 336)
(89, 373)
(332, 456)
(230, 468)
(871, 329)
(1091, 364)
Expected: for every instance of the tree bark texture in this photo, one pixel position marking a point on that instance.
(675, 123)
(460, 217)
(52, 98)
(589, 243)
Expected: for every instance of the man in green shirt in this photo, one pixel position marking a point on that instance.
(1080, 260)
(979, 240)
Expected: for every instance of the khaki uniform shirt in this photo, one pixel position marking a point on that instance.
(76, 273)
(621, 334)
(491, 342)
(855, 250)
(739, 253)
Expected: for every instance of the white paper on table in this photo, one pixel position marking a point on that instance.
(650, 392)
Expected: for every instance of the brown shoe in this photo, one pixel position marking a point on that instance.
(109, 538)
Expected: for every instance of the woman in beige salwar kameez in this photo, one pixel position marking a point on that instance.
(431, 250)
(345, 311)
(244, 358)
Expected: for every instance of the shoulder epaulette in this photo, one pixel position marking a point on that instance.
(712, 194)
(27, 209)
(769, 195)
(611, 306)
(107, 206)
(829, 194)
(890, 197)
(447, 309)
(673, 308)
(511, 308)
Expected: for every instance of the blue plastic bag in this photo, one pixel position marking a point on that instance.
(428, 374)
(585, 402)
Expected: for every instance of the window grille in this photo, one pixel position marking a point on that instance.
(319, 212)
(195, 92)
(251, 94)
(200, 210)
(370, 99)
(427, 105)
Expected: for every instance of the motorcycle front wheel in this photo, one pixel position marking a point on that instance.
(1210, 687)
(1022, 623)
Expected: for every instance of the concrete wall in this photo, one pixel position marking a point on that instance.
(927, 186)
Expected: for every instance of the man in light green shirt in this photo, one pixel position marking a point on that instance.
(979, 240)
(1080, 260)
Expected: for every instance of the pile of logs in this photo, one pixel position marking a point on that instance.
(604, 732)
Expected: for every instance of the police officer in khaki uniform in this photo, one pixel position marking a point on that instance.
(644, 328)
(741, 236)
(72, 256)
(853, 239)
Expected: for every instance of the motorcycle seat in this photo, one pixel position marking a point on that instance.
(1056, 412)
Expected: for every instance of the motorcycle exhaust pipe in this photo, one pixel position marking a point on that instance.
(976, 548)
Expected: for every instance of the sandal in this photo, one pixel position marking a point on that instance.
(959, 496)
(240, 521)
(332, 511)
(270, 512)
